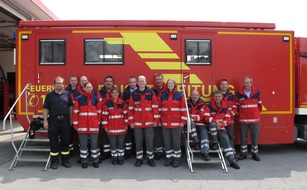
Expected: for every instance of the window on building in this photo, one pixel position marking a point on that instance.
(198, 52)
(98, 51)
(52, 52)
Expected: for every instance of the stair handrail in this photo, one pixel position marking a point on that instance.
(9, 114)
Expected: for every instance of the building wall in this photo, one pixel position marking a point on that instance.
(7, 62)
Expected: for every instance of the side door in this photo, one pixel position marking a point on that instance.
(198, 50)
(51, 60)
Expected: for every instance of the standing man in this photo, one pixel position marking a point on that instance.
(143, 116)
(71, 88)
(219, 118)
(249, 105)
(105, 93)
(126, 97)
(59, 106)
(159, 87)
(229, 98)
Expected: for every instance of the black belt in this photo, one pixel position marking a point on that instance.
(59, 116)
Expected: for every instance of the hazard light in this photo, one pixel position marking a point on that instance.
(173, 36)
(24, 37)
(286, 38)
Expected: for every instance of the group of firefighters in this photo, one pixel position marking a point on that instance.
(107, 121)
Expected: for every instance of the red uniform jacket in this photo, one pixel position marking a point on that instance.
(172, 109)
(197, 111)
(114, 117)
(143, 108)
(87, 113)
(158, 91)
(249, 108)
(221, 113)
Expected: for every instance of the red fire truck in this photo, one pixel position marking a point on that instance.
(202, 52)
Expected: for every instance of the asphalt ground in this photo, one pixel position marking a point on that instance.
(281, 167)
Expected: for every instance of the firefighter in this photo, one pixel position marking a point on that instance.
(196, 107)
(159, 87)
(229, 98)
(219, 118)
(71, 88)
(143, 116)
(86, 119)
(126, 97)
(115, 123)
(173, 118)
(58, 105)
(105, 94)
(249, 106)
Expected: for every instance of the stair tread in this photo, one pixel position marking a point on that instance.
(36, 148)
(32, 158)
(37, 140)
(212, 160)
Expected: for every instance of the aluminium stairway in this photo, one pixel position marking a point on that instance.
(33, 150)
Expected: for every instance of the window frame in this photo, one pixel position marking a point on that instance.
(102, 62)
(52, 63)
(198, 54)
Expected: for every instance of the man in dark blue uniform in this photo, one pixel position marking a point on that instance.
(58, 106)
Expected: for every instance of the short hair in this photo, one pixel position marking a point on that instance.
(224, 80)
(158, 74)
(73, 76)
(175, 83)
(114, 89)
(250, 78)
(87, 84)
(58, 77)
(218, 92)
(142, 76)
(108, 77)
(132, 77)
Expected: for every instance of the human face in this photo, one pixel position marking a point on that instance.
(88, 88)
(132, 83)
(83, 80)
(224, 86)
(218, 98)
(247, 84)
(59, 84)
(195, 96)
(170, 85)
(108, 83)
(159, 81)
(115, 94)
(73, 81)
(142, 83)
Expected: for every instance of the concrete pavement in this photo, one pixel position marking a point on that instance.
(281, 167)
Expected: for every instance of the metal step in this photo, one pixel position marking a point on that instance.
(210, 151)
(38, 139)
(198, 160)
(36, 148)
(28, 158)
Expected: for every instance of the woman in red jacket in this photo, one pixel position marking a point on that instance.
(115, 123)
(86, 118)
(173, 118)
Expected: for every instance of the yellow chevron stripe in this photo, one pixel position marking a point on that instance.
(114, 40)
(159, 55)
(167, 66)
(194, 79)
(146, 42)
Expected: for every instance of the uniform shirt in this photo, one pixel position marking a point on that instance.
(58, 104)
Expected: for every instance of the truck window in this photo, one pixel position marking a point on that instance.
(52, 52)
(98, 51)
(198, 52)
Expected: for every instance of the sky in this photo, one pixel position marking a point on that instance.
(286, 14)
